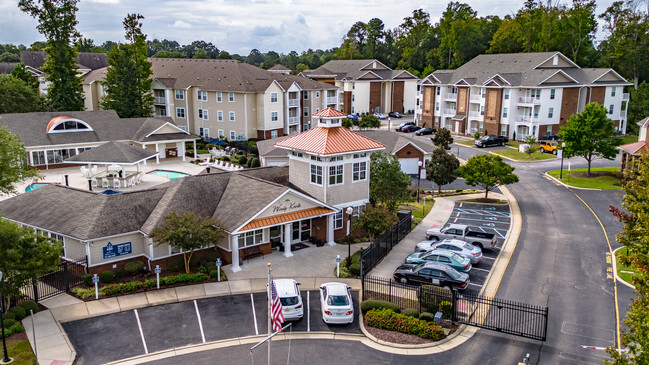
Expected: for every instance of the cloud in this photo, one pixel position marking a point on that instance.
(265, 32)
(181, 24)
(104, 1)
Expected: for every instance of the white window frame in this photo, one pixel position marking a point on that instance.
(552, 94)
(611, 108)
(231, 97)
(316, 175)
(206, 133)
(359, 171)
(219, 115)
(317, 94)
(305, 95)
(251, 238)
(221, 133)
(273, 97)
(219, 97)
(337, 173)
(274, 116)
(273, 134)
(505, 112)
(203, 114)
(550, 112)
(306, 111)
(180, 111)
(201, 95)
(338, 219)
(613, 90)
(233, 135)
(506, 92)
(232, 117)
(179, 94)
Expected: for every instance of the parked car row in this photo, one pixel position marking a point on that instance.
(335, 301)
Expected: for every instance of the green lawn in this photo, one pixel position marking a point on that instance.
(521, 156)
(417, 208)
(604, 182)
(629, 138)
(21, 352)
(625, 272)
(467, 143)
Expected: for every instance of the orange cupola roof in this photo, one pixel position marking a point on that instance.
(330, 113)
(328, 141)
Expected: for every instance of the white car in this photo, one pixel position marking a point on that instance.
(464, 249)
(289, 295)
(336, 303)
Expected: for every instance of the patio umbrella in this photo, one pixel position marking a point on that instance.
(217, 142)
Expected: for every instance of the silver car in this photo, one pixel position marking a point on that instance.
(464, 249)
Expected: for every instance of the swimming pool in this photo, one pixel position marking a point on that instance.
(171, 175)
(34, 186)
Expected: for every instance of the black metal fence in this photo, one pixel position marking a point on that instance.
(382, 245)
(65, 277)
(495, 314)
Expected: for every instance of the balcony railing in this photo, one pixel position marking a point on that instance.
(451, 96)
(331, 100)
(293, 102)
(476, 98)
(625, 96)
(293, 120)
(528, 100)
(159, 100)
(623, 113)
(450, 111)
(527, 119)
(475, 114)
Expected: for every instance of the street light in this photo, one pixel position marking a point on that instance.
(419, 163)
(349, 212)
(6, 359)
(563, 145)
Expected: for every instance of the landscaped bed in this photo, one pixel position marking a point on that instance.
(521, 156)
(604, 178)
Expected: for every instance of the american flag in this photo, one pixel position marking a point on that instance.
(276, 311)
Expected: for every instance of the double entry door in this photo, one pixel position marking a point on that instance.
(300, 231)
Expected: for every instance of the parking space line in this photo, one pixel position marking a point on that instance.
(489, 258)
(479, 269)
(139, 325)
(474, 284)
(200, 323)
(455, 220)
(482, 220)
(254, 315)
(308, 312)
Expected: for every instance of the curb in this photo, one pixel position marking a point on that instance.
(619, 279)
(566, 185)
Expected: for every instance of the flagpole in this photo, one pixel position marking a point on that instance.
(270, 328)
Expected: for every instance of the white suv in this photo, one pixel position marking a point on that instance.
(289, 294)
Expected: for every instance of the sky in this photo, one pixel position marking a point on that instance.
(238, 26)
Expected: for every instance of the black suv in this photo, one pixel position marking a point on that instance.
(431, 273)
(491, 140)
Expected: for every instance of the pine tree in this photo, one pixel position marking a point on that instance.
(128, 82)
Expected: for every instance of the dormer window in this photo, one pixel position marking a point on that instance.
(67, 124)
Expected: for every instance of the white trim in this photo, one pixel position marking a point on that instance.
(276, 83)
(366, 72)
(555, 54)
(616, 74)
(352, 204)
(69, 119)
(119, 260)
(401, 73)
(162, 126)
(461, 80)
(412, 144)
(565, 74)
(372, 61)
(498, 76)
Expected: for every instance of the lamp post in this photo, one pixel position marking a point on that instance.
(563, 145)
(419, 163)
(5, 359)
(349, 212)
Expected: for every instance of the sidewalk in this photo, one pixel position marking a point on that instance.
(54, 348)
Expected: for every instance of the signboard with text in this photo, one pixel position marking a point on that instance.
(120, 249)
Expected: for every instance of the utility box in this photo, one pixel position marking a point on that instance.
(438, 317)
(523, 147)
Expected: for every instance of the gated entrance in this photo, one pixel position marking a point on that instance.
(514, 318)
(65, 277)
(382, 245)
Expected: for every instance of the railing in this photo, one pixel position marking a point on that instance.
(293, 102)
(382, 245)
(61, 280)
(476, 98)
(293, 120)
(451, 96)
(526, 119)
(625, 96)
(331, 100)
(159, 100)
(528, 100)
(450, 111)
(515, 318)
(475, 114)
(623, 113)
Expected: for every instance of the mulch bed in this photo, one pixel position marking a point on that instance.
(594, 174)
(406, 339)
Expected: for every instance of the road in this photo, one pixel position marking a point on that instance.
(560, 262)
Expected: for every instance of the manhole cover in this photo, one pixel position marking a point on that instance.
(580, 287)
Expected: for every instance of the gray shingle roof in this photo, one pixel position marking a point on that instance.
(355, 69)
(89, 60)
(106, 126)
(113, 152)
(394, 141)
(7, 67)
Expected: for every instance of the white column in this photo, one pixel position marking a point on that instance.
(181, 149)
(144, 148)
(234, 244)
(288, 232)
(157, 157)
(330, 230)
(195, 154)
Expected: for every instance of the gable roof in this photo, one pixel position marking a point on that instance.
(329, 140)
(396, 141)
(113, 152)
(87, 60)
(635, 148)
(357, 70)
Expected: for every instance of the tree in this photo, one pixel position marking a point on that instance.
(441, 168)
(388, 184)
(442, 138)
(488, 172)
(13, 164)
(20, 72)
(188, 232)
(635, 237)
(376, 220)
(589, 134)
(369, 121)
(57, 22)
(128, 78)
(25, 256)
(638, 106)
(200, 53)
(16, 96)
(9, 57)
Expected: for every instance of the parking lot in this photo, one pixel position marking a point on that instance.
(486, 218)
(135, 332)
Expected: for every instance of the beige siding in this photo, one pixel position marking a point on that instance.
(250, 118)
(138, 246)
(74, 249)
(160, 250)
(287, 204)
(300, 176)
(348, 191)
(278, 107)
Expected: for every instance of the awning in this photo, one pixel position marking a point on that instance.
(459, 117)
(286, 217)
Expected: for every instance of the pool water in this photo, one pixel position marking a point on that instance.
(171, 175)
(34, 186)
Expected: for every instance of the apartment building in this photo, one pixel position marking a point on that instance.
(369, 86)
(518, 94)
(228, 98)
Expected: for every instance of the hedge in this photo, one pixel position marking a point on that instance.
(355, 269)
(425, 316)
(410, 312)
(152, 283)
(368, 305)
(29, 304)
(19, 313)
(431, 296)
(106, 277)
(389, 320)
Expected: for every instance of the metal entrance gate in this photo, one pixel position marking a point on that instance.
(66, 276)
(514, 318)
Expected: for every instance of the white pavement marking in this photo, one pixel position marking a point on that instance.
(200, 323)
(492, 221)
(308, 312)
(455, 220)
(254, 315)
(474, 284)
(139, 325)
(489, 258)
(479, 269)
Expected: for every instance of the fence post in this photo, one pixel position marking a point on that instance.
(390, 292)
(545, 330)
(66, 277)
(454, 304)
(362, 278)
(85, 265)
(35, 287)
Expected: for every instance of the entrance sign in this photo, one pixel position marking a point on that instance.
(119, 249)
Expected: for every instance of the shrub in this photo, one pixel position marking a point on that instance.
(476, 135)
(106, 277)
(446, 308)
(176, 263)
(122, 288)
(255, 163)
(17, 328)
(8, 332)
(133, 267)
(84, 293)
(214, 275)
(356, 257)
(389, 320)
(9, 315)
(29, 305)
(458, 190)
(225, 158)
(19, 313)
(9, 322)
(243, 160)
(368, 305)
(355, 269)
(87, 279)
(430, 296)
(410, 312)
(425, 316)
(119, 273)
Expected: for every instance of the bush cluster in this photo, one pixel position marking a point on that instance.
(389, 320)
(410, 312)
(133, 267)
(425, 316)
(14, 328)
(368, 305)
(431, 297)
(152, 283)
(106, 277)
